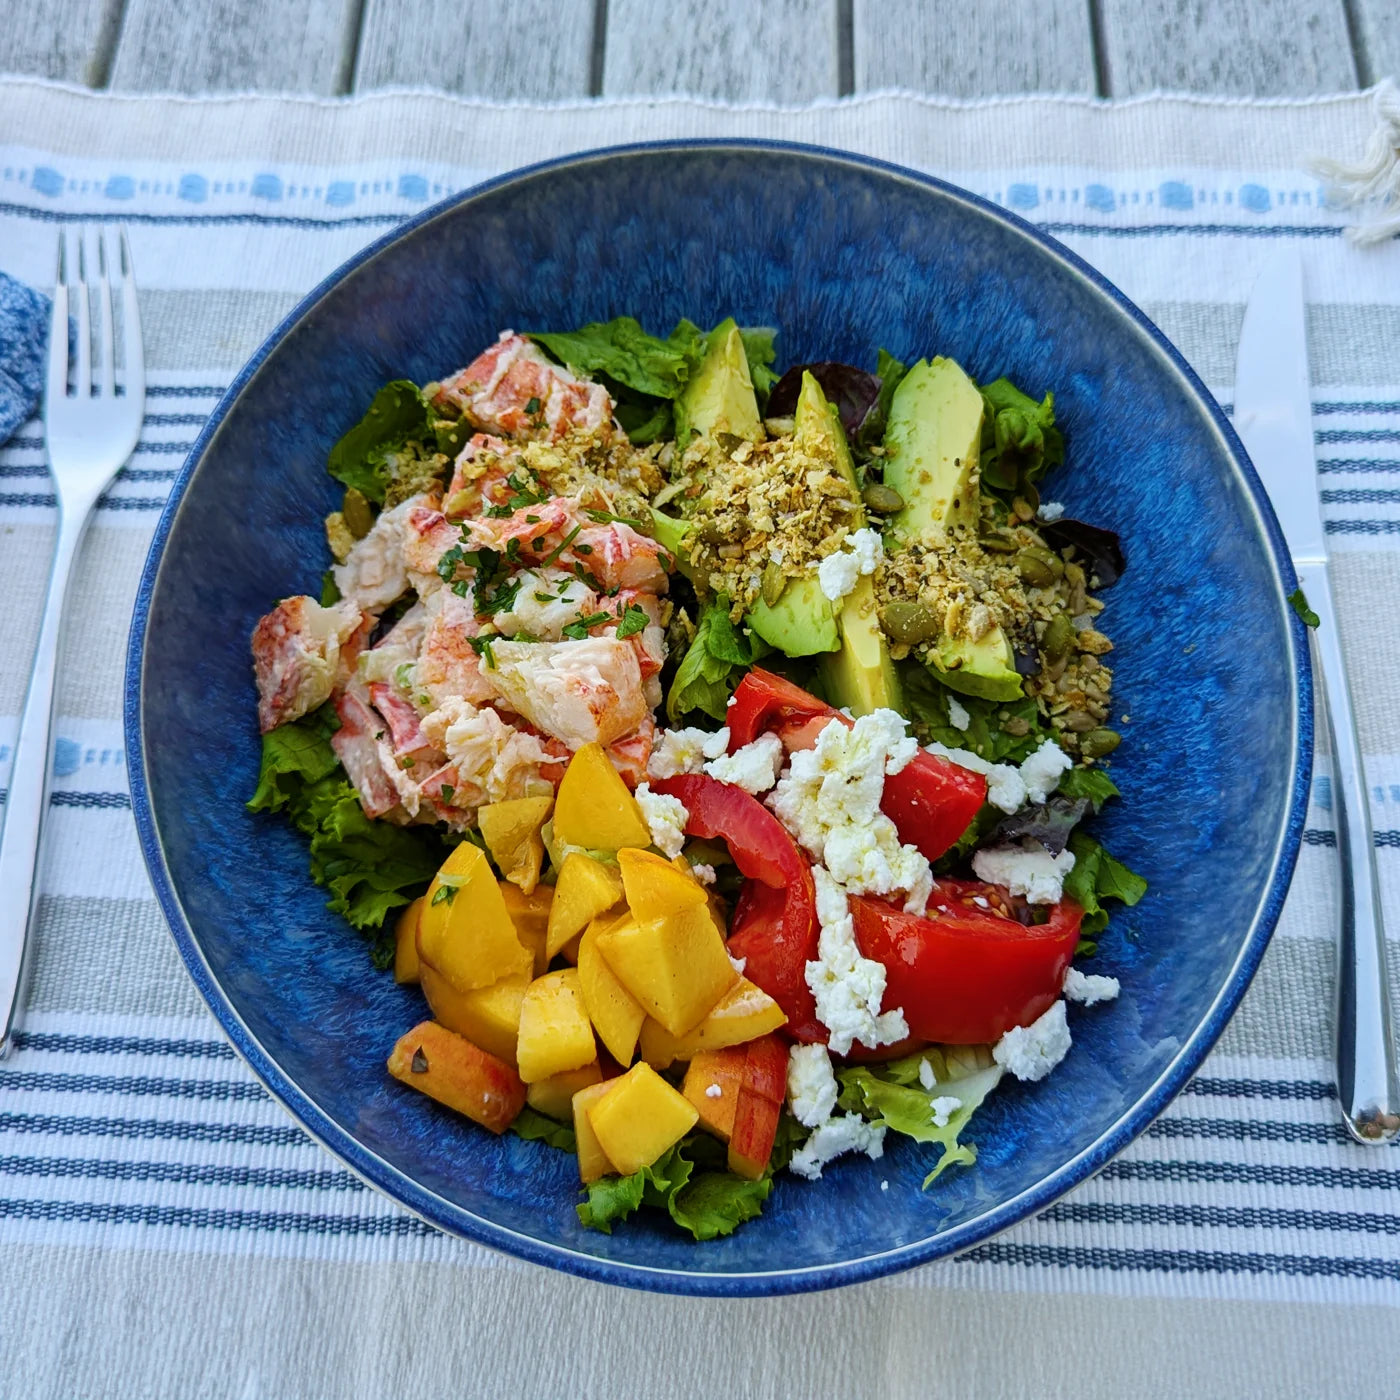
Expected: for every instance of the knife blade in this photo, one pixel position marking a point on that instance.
(1273, 416)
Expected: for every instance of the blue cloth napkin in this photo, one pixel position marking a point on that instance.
(24, 321)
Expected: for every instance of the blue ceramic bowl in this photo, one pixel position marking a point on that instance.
(843, 254)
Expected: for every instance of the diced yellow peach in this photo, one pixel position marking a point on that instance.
(530, 915)
(555, 1096)
(655, 888)
(584, 889)
(555, 1032)
(640, 1117)
(465, 931)
(744, 1013)
(616, 1014)
(406, 942)
(511, 831)
(488, 1017)
(675, 967)
(592, 1160)
(594, 808)
(712, 1070)
(450, 1069)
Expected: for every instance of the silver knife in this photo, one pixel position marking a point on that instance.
(1273, 415)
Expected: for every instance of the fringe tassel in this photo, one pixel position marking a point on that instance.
(1376, 179)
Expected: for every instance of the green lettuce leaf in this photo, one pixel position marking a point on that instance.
(625, 353)
(614, 1198)
(717, 1203)
(892, 1095)
(1093, 784)
(705, 677)
(926, 702)
(1096, 877)
(1020, 441)
(760, 349)
(539, 1127)
(369, 867)
(398, 414)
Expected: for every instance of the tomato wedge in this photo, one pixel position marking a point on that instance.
(775, 921)
(967, 975)
(931, 800)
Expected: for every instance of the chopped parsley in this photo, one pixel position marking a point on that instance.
(1297, 600)
(580, 629)
(560, 547)
(532, 405)
(482, 647)
(445, 895)
(605, 517)
(446, 791)
(544, 597)
(633, 620)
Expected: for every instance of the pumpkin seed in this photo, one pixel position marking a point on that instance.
(358, 516)
(1034, 570)
(1081, 722)
(1098, 742)
(883, 500)
(910, 623)
(1059, 636)
(773, 585)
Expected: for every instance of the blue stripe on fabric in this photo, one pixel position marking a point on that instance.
(1190, 1173)
(154, 1129)
(174, 420)
(52, 1042)
(1222, 1217)
(1361, 527)
(205, 1218)
(1358, 406)
(1297, 1089)
(1360, 496)
(1200, 230)
(1182, 1261)
(1329, 466)
(35, 444)
(90, 801)
(1247, 1130)
(186, 391)
(1358, 435)
(183, 1173)
(37, 1081)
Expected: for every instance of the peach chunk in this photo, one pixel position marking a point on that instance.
(639, 1117)
(458, 1074)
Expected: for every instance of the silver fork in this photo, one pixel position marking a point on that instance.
(90, 433)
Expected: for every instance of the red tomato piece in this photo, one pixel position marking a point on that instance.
(775, 922)
(763, 701)
(967, 975)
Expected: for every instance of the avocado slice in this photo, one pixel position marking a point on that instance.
(932, 446)
(719, 397)
(801, 623)
(861, 677)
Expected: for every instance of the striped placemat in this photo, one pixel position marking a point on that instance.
(167, 1229)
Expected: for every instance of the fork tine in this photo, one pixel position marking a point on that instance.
(106, 368)
(82, 373)
(58, 332)
(133, 362)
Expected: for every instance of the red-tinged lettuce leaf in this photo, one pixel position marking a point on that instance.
(855, 392)
(1100, 549)
(1050, 823)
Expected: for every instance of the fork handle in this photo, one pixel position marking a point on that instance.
(28, 794)
(1366, 1080)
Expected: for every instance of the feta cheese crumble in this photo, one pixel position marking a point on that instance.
(943, 1108)
(665, 818)
(1049, 512)
(838, 574)
(1028, 869)
(958, 716)
(1041, 771)
(1009, 788)
(755, 767)
(829, 799)
(926, 1076)
(1088, 989)
(848, 987)
(837, 1136)
(1031, 1052)
(738, 964)
(714, 1092)
(704, 873)
(811, 1085)
(679, 751)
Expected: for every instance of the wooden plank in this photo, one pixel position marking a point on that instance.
(973, 48)
(233, 45)
(67, 39)
(1376, 31)
(517, 50)
(730, 50)
(1247, 48)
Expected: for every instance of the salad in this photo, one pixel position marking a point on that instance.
(710, 747)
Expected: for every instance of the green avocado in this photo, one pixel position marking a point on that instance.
(719, 396)
(801, 623)
(932, 444)
(984, 668)
(670, 534)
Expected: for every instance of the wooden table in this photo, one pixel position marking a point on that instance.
(736, 50)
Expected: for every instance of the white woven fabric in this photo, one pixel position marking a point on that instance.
(165, 1229)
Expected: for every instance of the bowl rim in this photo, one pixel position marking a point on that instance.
(453, 1219)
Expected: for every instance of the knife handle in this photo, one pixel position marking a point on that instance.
(1366, 1078)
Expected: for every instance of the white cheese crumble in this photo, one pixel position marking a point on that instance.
(829, 799)
(738, 964)
(884, 1186)
(1088, 989)
(714, 1092)
(1049, 512)
(958, 716)
(1009, 788)
(848, 988)
(836, 1136)
(679, 751)
(838, 574)
(755, 767)
(943, 1108)
(811, 1084)
(1031, 1052)
(926, 1075)
(1041, 771)
(665, 818)
(1028, 869)
(704, 873)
